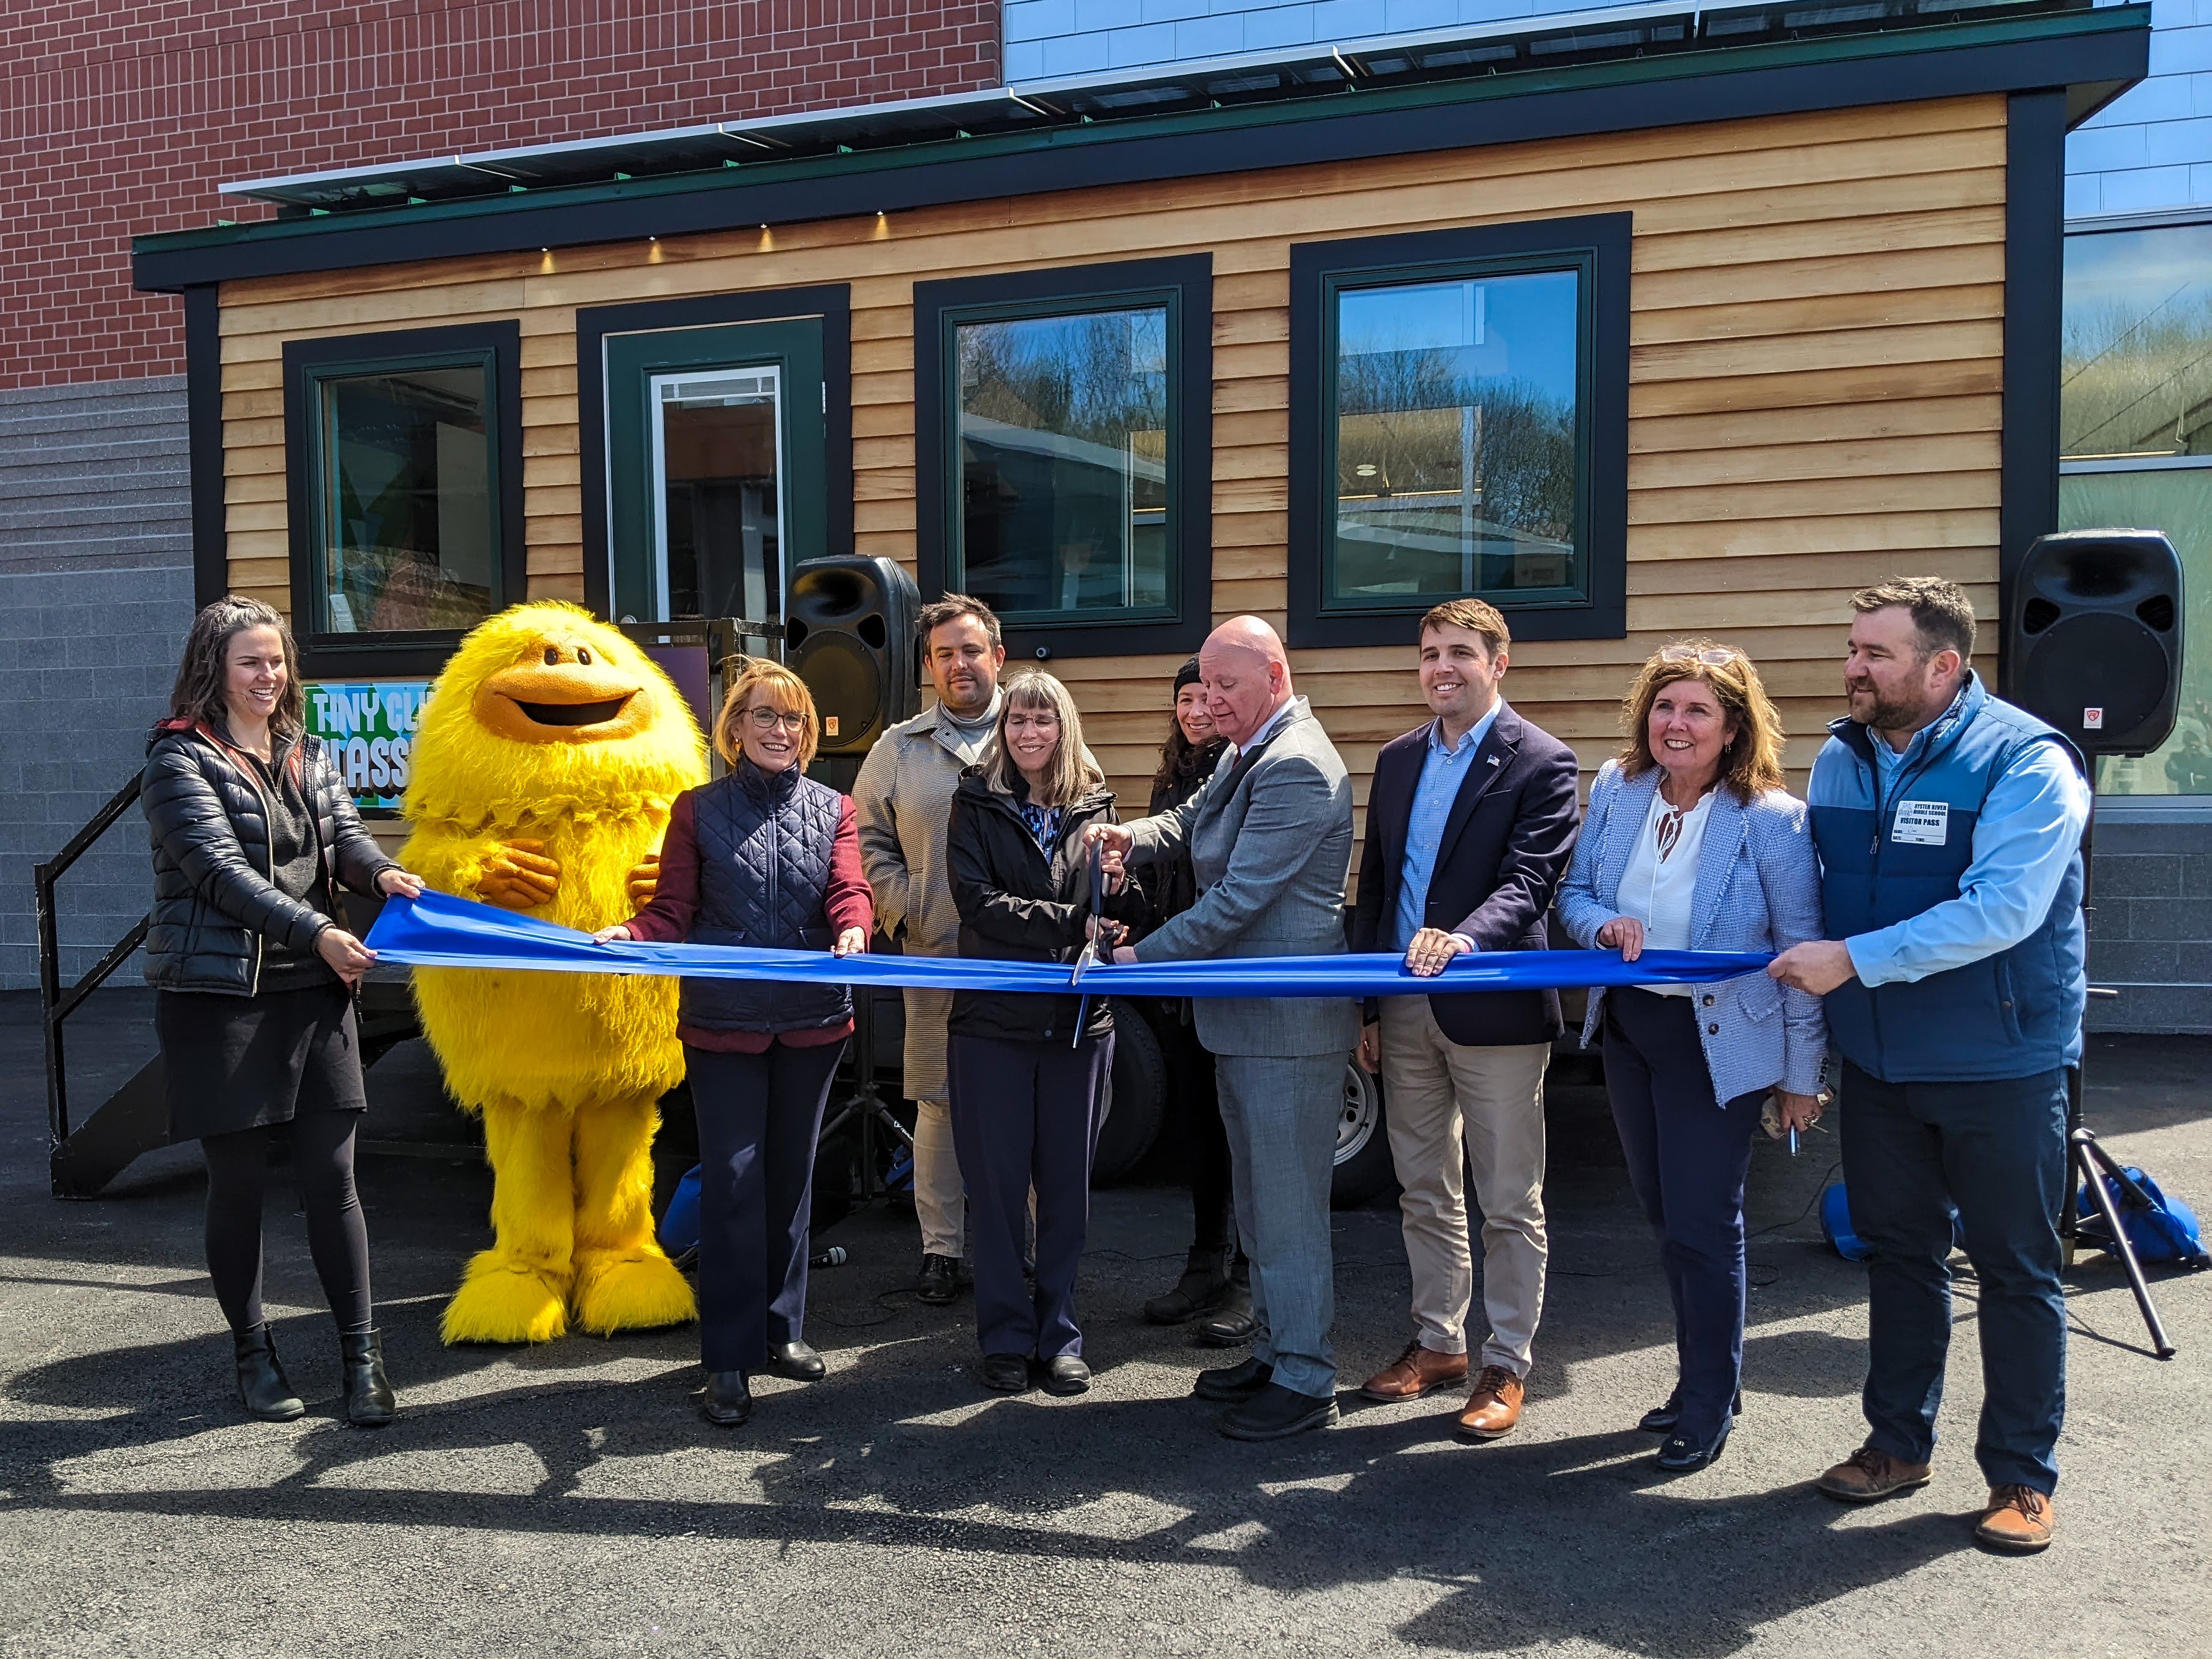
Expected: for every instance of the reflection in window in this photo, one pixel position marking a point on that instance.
(2136, 358)
(1456, 439)
(1064, 477)
(2178, 500)
(405, 472)
(720, 530)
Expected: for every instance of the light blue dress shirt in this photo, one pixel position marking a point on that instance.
(1442, 771)
(2025, 838)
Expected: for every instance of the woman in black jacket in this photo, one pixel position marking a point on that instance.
(1029, 1072)
(254, 980)
(1216, 1280)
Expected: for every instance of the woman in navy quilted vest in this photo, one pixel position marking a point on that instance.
(763, 856)
(1028, 1070)
(1691, 843)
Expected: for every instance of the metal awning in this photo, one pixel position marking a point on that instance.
(1518, 46)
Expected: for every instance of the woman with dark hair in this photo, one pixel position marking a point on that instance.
(1216, 1280)
(1029, 1071)
(254, 980)
(763, 856)
(1691, 843)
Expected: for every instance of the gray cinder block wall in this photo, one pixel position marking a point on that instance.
(2150, 925)
(95, 595)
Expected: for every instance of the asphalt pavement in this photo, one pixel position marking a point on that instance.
(568, 1499)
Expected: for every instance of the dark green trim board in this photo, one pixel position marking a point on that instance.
(2094, 54)
(2035, 236)
(830, 305)
(1596, 245)
(203, 428)
(498, 346)
(1185, 285)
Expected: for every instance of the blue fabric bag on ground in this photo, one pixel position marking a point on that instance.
(2165, 1231)
(680, 1222)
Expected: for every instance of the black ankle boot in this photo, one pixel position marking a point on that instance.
(261, 1382)
(1204, 1281)
(368, 1401)
(1231, 1321)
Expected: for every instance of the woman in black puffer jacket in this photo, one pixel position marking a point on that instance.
(253, 979)
(1029, 1071)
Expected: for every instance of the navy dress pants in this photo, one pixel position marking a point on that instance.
(759, 1117)
(1997, 1150)
(1688, 1156)
(1023, 1115)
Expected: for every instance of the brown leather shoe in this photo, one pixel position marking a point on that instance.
(1494, 1406)
(2018, 1520)
(1867, 1475)
(1417, 1371)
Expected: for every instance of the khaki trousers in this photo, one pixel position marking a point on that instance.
(1452, 1110)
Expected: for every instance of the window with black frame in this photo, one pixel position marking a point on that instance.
(1458, 428)
(401, 458)
(1066, 487)
(2135, 445)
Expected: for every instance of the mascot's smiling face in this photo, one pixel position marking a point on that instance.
(559, 689)
(545, 710)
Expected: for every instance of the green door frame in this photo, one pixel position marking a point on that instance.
(793, 346)
(826, 306)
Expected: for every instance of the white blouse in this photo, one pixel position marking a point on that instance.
(1656, 888)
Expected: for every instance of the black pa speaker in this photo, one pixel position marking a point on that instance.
(848, 632)
(2093, 637)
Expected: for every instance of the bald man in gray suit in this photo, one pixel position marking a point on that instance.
(1269, 838)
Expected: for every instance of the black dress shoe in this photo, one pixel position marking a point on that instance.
(1275, 1412)
(1232, 1322)
(1066, 1373)
(1005, 1373)
(369, 1399)
(939, 1281)
(1662, 1419)
(261, 1383)
(729, 1400)
(1680, 1455)
(1232, 1384)
(797, 1360)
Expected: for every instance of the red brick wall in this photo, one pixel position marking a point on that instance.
(120, 117)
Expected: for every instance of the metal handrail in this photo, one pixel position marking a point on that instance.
(55, 1004)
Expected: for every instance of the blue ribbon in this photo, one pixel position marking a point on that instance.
(440, 931)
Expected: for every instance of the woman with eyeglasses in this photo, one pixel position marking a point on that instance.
(761, 856)
(1029, 1071)
(1692, 843)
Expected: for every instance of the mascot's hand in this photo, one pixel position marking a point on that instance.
(518, 876)
(644, 881)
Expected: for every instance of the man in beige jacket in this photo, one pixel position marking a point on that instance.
(903, 798)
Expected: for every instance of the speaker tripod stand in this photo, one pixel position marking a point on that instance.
(2087, 1164)
(864, 1106)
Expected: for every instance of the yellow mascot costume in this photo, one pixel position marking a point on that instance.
(544, 772)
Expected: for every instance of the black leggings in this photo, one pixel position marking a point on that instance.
(238, 1180)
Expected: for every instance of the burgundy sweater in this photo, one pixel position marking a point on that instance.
(667, 920)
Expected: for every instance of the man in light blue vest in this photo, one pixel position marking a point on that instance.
(1949, 828)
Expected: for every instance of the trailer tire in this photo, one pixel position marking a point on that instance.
(1136, 1099)
(1364, 1169)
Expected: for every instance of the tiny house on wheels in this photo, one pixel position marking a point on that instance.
(1633, 324)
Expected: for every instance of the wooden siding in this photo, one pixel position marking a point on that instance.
(1815, 369)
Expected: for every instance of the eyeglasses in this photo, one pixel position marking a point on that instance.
(1712, 656)
(767, 719)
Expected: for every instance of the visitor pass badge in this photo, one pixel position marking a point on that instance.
(1921, 823)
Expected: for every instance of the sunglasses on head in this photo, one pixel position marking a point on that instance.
(1712, 656)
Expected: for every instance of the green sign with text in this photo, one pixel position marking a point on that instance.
(369, 729)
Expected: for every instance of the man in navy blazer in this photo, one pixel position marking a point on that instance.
(1471, 819)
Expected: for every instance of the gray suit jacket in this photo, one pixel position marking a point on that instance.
(1271, 850)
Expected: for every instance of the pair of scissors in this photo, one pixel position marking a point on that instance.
(1095, 858)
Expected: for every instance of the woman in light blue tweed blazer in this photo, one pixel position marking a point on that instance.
(1691, 843)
